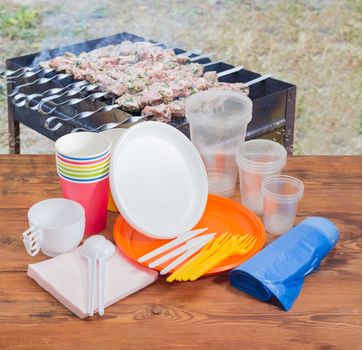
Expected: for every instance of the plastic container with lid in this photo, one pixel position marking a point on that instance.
(218, 121)
(258, 159)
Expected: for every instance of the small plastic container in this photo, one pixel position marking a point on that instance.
(218, 121)
(281, 194)
(257, 160)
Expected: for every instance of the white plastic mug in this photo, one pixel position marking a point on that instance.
(56, 226)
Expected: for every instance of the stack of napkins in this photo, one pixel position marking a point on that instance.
(66, 278)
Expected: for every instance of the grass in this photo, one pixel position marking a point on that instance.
(20, 23)
(315, 44)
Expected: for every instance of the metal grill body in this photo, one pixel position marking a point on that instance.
(273, 100)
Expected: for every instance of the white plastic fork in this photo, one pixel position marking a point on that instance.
(187, 246)
(183, 237)
(186, 255)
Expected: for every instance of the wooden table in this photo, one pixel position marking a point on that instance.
(208, 314)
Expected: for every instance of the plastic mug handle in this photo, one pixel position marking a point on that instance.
(31, 239)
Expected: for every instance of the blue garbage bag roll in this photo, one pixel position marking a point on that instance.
(280, 268)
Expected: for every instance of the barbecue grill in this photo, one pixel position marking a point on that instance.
(273, 100)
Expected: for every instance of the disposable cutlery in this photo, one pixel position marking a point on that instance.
(177, 241)
(186, 255)
(188, 245)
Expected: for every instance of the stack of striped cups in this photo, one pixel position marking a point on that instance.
(83, 167)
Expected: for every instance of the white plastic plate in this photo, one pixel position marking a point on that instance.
(158, 180)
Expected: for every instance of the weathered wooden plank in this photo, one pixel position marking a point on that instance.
(212, 314)
(213, 311)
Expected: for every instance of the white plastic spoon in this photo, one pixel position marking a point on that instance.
(90, 250)
(106, 251)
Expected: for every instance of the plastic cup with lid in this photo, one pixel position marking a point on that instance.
(218, 121)
(258, 159)
(281, 194)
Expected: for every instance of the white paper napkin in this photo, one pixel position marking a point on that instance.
(65, 277)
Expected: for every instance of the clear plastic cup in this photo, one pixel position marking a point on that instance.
(281, 194)
(258, 159)
(218, 121)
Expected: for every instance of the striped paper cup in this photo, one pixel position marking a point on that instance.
(83, 147)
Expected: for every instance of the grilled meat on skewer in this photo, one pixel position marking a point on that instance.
(146, 78)
(176, 108)
(164, 92)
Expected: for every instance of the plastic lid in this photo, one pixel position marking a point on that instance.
(220, 106)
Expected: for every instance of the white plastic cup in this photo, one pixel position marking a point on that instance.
(218, 121)
(258, 159)
(56, 226)
(281, 194)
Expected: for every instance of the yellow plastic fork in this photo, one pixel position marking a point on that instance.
(225, 244)
(199, 257)
(243, 246)
(215, 247)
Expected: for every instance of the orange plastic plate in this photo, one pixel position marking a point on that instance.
(220, 215)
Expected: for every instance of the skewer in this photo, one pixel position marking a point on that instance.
(206, 55)
(68, 93)
(39, 81)
(30, 74)
(20, 99)
(189, 53)
(130, 120)
(215, 62)
(229, 71)
(71, 102)
(27, 72)
(162, 43)
(6, 73)
(81, 115)
(65, 102)
(257, 80)
(74, 101)
(34, 70)
(114, 125)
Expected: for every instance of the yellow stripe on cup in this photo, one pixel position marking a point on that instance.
(83, 171)
(85, 175)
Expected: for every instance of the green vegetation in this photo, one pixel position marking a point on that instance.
(19, 22)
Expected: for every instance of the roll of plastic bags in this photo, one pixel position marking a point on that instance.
(280, 268)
